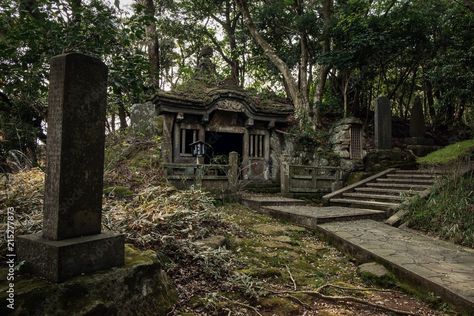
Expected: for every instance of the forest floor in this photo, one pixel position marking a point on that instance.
(280, 269)
(224, 258)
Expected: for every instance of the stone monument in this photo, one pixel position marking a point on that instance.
(417, 120)
(383, 124)
(72, 242)
(143, 119)
(417, 142)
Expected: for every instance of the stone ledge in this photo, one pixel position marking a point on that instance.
(140, 287)
(58, 260)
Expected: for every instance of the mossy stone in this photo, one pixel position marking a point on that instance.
(140, 287)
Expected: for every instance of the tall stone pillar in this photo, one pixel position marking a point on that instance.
(72, 242)
(417, 120)
(383, 124)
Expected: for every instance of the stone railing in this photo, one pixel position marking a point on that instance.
(308, 179)
(213, 177)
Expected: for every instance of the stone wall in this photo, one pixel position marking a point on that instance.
(307, 151)
(340, 140)
(298, 151)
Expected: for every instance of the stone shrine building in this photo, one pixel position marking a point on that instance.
(228, 119)
(225, 117)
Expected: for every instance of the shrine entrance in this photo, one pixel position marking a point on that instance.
(224, 143)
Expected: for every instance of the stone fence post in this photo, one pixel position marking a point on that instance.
(284, 177)
(233, 173)
(199, 175)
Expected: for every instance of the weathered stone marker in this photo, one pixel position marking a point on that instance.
(143, 119)
(383, 124)
(72, 242)
(417, 120)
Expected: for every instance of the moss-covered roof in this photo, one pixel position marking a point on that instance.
(199, 95)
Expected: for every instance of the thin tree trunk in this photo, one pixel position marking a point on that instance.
(412, 89)
(299, 99)
(430, 100)
(122, 116)
(112, 119)
(346, 78)
(324, 70)
(153, 44)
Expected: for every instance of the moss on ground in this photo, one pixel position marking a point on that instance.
(118, 191)
(448, 154)
(272, 255)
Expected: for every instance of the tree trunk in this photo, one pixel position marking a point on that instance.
(153, 44)
(122, 116)
(324, 70)
(300, 101)
(112, 119)
(430, 100)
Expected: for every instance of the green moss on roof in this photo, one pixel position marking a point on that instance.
(205, 91)
(448, 154)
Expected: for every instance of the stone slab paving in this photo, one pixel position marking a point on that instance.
(258, 201)
(311, 216)
(272, 199)
(442, 267)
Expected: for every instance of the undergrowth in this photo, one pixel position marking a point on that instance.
(448, 154)
(448, 212)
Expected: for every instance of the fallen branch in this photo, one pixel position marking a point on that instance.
(362, 289)
(291, 277)
(297, 300)
(347, 299)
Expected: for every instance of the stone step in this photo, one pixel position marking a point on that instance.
(376, 197)
(396, 192)
(385, 206)
(415, 181)
(422, 171)
(438, 266)
(311, 216)
(411, 176)
(407, 186)
(258, 201)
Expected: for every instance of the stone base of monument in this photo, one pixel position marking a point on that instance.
(140, 287)
(58, 260)
(419, 141)
(422, 150)
(420, 146)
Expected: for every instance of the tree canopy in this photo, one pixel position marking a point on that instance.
(325, 56)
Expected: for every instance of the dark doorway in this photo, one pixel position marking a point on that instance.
(222, 144)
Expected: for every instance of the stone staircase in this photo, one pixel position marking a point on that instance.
(353, 223)
(385, 191)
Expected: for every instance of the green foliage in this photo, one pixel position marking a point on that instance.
(447, 212)
(395, 48)
(448, 154)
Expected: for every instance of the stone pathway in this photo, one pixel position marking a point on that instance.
(440, 266)
(296, 211)
(311, 216)
(352, 223)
